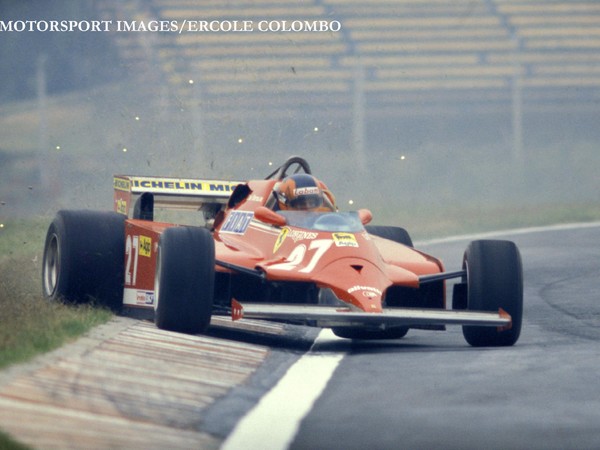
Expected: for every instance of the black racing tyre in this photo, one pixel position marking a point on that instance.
(84, 257)
(184, 280)
(395, 234)
(494, 281)
(365, 333)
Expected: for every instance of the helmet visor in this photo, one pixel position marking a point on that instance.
(309, 201)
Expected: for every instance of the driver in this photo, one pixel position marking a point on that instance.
(303, 192)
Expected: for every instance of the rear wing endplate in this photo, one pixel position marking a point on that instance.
(171, 193)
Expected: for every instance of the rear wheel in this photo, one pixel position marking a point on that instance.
(184, 280)
(494, 281)
(84, 258)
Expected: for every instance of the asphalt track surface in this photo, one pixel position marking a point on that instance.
(432, 390)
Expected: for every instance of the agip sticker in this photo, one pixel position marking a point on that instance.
(344, 240)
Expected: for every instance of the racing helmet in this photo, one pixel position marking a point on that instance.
(300, 191)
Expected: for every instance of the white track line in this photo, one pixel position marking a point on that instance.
(275, 420)
(516, 231)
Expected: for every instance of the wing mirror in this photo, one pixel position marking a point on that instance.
(269, 216)
(365, 216)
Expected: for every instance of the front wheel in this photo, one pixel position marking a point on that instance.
(494, 281)
(396, 234)
(363, 333)
(184, 280)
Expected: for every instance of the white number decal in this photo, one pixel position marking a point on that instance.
(294, 259)
(298, 254)
(131, 252)
(322, 245)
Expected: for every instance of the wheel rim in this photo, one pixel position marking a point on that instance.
(51, 266)
(157, 279)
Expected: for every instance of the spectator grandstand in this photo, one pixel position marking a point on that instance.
(407, 57)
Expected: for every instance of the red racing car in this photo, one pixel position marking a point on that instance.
(275, 249)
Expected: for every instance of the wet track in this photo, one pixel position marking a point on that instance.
(427, 390)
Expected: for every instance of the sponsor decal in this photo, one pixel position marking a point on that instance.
(295, 235)
(184, 186)
(280, 238)
(307, 190)
(300, 235)
(373, 291)
(144, 297)
(255, 198)
(145, 246)
(237, 222)
(122, 206)
(344, 240)
(121, 184)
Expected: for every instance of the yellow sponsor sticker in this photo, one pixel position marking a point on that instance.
(345, 240)
(145, 246)
(121, 184)
(122, 206)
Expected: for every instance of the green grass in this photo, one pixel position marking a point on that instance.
(22, 238)
(7, 443)
(29, 324)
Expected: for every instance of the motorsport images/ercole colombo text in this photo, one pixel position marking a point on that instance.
(173, 26)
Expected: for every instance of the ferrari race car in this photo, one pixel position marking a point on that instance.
(256, 256)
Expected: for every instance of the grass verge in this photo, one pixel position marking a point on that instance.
(29, 324)
(7, 443)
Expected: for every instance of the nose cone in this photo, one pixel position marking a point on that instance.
(355, 281)
(367, 298)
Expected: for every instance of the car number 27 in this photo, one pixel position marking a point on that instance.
(135, 246)
(316, 250)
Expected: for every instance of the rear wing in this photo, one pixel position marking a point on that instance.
(137, 196)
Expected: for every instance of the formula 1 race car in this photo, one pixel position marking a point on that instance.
(274, 249)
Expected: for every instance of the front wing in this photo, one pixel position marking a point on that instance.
(332, 316)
